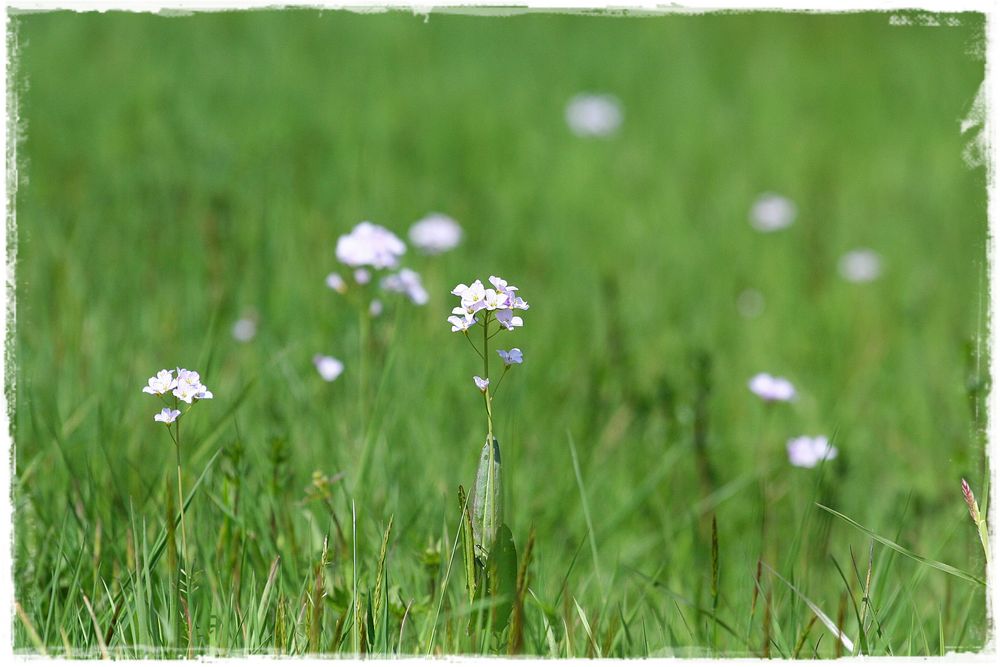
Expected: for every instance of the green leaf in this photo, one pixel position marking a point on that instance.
(468, 546)
(501, 578)
(487, 501)
(944, 567)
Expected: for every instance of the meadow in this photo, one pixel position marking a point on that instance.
(179, 173)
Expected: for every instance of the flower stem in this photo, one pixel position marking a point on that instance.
(486, 376)
(180, 490)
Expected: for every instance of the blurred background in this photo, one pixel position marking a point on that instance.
(181, 173)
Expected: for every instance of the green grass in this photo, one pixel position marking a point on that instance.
(177, 171)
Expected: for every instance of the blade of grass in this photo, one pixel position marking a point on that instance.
(848, 644)
(943, 567)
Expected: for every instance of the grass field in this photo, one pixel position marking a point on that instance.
(178, 172)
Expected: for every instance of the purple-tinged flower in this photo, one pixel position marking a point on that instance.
(160, 383)
(328, 368)
(370, 245)
(435, 233)
(167, 415)
(362, 276)
(407, 281)
(772, 388)
(513, 356)
(508, 320)
(481, 383)
(970, 501)
(189, 386)
(375, 308)
(513, 300)
(460, 320)
(807, 452)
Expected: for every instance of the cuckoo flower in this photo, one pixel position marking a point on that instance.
(328, 368)
(167, 416)
(493, 309)
(807, 452)
(513, 356)
(406, 281)
(594, 115)
(370, 245)
(772, 388)
(771, 212)
(160, 383)
(435, 233)
(862, 265)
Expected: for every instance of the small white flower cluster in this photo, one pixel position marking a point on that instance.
(406, 281)
(186, 386)
(803, 451)
(501, 300)
(374, 246)
(772, 388)
(370, 245)
(435, 233)
(329, 368)
(806, 452)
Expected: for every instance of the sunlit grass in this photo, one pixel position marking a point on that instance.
(181, 172)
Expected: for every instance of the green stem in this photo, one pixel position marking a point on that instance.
(364, 334)
(486, 392)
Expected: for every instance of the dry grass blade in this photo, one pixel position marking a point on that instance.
(97, 629)
(32, 633)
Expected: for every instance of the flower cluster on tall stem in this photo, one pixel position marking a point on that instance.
(492, 309)
(176, 391)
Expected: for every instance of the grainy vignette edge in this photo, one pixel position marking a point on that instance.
(13, 126)
(11, 136)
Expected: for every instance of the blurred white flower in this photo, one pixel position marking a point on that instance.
(160, 383)
(435, 233)
(167, 416)
(189, 386)
(750, 303)
(406, 281)
(862, 265)
(806, 451)
(513, 356)
(772, 388)
(244, 329)
(375, 308)
(370, 245)
(328, 367)
(362, 276)
(771, 212)
(594, 115)
(335, 282)
(481, 383)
